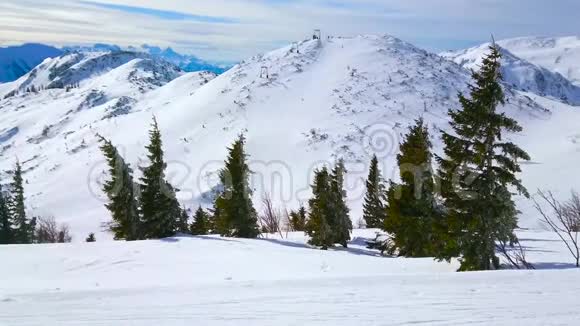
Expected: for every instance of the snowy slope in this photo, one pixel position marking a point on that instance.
(342, 97)
(521, 74)
(16, 61)
(221, 281)
(559, 54)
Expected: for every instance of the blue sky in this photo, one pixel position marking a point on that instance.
(231, 30)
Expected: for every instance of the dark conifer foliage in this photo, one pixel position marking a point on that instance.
(91, 238)
(159, 206)
(298, 219)
(236, 215)
(477, 170)
(121, 192)
(23, 228)
(183, 222)
(201, 223)
(374, 205)
(412, 208)
(6, 232)
(329, 222)
(318, 225)
(341, 224)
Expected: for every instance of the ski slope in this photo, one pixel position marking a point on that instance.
(221, 281)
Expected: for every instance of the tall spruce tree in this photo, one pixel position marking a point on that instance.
(318, 225)
(23, 229)
(159, 206)
(374, 207)
(237, 216)
(121, 192)
(412, 209)
(340, 222)
(477, 171)
(201, 224)
(5, 220)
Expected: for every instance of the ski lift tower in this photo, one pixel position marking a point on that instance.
(317, 35)
(295, 48)
(264, 73)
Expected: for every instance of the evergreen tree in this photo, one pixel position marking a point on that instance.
(477, 170)
(318, 227)
(298, 219)
(237, 216)
(5, 221)
(374, 207)
(183, 222)
(120, 190)
(159, 206)
(91, 238)
(340, 222)
(222, 224)
(23, 229)
(201, 224)
(412, 209)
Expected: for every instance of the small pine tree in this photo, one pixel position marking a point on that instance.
(201, 223)
(159, 207)
(298, 219)
(318, 227)
(478, 169)
(5, 221)
(183, 222)
(91, 238)
(374, 207)
(23, 229)
(340, 222)
(412, 209)
(237, 215)
(120, 190)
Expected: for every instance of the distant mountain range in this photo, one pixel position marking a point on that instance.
(17, 61)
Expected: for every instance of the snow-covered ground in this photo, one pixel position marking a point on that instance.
(222, 281)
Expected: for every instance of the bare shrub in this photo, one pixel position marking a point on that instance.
(564, 220)
(515, 255)
(271, 218)
(48, 231)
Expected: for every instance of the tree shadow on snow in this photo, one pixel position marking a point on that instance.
(358, 241)
(551, 265)
(179, 237)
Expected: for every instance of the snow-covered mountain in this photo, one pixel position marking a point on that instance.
(71, 69)
(188, 63)
(16, 61)
(299, 106)
(521, 74)
(559, 54)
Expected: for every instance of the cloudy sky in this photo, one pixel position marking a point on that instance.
(230, 30)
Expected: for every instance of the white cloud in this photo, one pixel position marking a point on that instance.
(264, 24)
